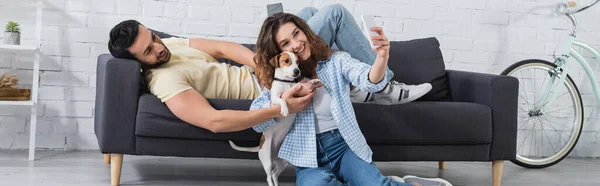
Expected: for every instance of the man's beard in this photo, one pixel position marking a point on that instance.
(159, 62)
(154, 65)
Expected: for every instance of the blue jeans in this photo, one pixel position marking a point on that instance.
(338, 165)
(336, 26)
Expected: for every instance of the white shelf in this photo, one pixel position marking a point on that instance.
(35, 50)
(17, 48)
(28, 103)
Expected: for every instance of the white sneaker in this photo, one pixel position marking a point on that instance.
(396, 179)
(400, 93)
(359, 96)
(426, 181)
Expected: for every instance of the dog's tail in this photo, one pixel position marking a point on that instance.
(243, 149)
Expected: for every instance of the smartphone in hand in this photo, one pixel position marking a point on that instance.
(368, 23)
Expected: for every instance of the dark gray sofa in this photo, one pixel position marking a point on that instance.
(466, 117)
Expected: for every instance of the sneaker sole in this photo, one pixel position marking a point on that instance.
(428, 179)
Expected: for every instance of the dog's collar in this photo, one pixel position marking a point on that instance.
(296, 80)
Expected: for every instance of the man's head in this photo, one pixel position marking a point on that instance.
(132, 40)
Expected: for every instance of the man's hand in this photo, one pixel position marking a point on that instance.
(297, 104)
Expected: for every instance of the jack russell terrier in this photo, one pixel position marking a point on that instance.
(287, 74)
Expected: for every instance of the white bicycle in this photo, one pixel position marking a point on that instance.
(550, 105)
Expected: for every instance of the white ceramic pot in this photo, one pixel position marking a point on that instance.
(11, 38)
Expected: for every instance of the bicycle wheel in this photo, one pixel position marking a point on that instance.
(558, 127)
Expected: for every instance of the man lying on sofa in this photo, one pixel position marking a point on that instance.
(183, 73)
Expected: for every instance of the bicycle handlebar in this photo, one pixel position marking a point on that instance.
(572, 4)
(563, 8)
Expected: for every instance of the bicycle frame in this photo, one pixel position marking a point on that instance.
(567, 51)
(562, 70)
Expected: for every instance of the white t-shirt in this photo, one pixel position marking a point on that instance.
(322, 104)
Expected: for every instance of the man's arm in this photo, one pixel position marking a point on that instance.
(191, 107)
(225, 49)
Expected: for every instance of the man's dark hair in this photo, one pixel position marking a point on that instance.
(122, 37)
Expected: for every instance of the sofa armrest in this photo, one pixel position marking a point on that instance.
(498, 92)
(117, 93)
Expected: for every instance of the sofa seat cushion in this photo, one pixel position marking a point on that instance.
(154, 119)
(425, 123)
(416, 123)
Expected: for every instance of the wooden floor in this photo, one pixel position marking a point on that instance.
(58, 168)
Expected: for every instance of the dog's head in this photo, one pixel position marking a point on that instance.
(283, 66)
(286, 66)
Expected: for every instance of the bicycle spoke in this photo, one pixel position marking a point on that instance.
(553, 145)
(557, 131)
(542, 131)
(524, 139)
(559, 119)
(549, 141)
(555, 123)
(524, 117)
(523, 109)
(524, 91)
(533, 137)
(555, 110)
(534, 92)
(526, 102)
(527, 122)
(560, 95)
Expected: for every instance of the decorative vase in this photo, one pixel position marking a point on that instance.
(11, 38)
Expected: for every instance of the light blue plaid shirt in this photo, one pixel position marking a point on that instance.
(300, 147)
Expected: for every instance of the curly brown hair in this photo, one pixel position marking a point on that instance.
(267, 48)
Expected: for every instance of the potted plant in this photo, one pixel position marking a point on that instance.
(12, 35)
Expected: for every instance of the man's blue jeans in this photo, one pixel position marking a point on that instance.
(338, 162)
(336, 26)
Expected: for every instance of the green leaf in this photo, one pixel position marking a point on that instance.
(13, 27)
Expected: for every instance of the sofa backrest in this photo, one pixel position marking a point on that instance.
(420, 61)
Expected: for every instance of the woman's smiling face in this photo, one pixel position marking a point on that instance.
(291, 39)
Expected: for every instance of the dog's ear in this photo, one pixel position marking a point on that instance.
(275, 61)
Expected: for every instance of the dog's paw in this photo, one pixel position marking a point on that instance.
(315, 81)
(284, 111)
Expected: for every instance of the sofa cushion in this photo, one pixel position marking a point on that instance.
(416, 123)
(425, 123)
(154, 119)
(420, 61)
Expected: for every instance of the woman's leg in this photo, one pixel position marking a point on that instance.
(335, 25)
(316, 176)
(356, 171)
(307, 13)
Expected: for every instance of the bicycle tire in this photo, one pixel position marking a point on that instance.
(525, 162)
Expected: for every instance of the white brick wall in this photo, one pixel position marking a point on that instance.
(475, 35)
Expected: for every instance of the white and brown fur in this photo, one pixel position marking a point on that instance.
(287, 72)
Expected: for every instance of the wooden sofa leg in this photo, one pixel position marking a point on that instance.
(442, 165)
(115, 168)
(106, 158)
(497, 172)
